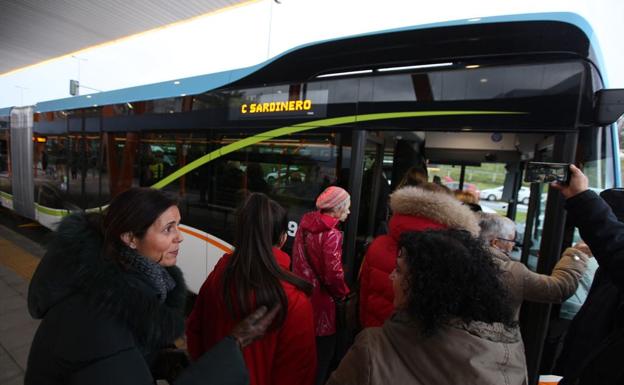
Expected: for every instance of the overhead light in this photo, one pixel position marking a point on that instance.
(130, 106)
(472, 66)
(474, 19)
(414, 67)
(345, 73)
(182, 94)
(483, 80)
(95, 105)
(88, 96)
(176, 82)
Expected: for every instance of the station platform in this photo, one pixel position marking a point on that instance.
(19, 256)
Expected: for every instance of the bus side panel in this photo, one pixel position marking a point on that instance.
(21, 160)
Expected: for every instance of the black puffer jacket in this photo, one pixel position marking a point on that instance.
(594, 346)
(100, 321)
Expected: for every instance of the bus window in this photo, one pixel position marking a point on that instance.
(291, 171)
(595, 146)
(5, 161)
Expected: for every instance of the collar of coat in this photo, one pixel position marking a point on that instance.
(73, 265)
(401, 324)
(439, 207)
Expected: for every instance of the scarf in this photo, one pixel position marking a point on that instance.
(158, 277)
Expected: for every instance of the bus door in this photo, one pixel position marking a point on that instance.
(369, 188)
(546, 233)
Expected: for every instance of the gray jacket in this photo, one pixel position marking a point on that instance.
(525, 285)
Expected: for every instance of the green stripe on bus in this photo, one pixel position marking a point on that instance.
(6, 195)
(53, 212)
(306, 126)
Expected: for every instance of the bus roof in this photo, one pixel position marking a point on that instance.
(562, 34)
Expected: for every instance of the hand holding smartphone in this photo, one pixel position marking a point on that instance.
(543, 172)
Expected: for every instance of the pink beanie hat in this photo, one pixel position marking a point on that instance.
(332, 196)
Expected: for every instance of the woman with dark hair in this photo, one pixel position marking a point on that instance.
(426, 207)
(452, 325)
(257, 274)
(112, 300)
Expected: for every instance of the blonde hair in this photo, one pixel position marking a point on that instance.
(414, 176)
(466, 197)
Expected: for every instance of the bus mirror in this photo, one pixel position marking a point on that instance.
(609, 106)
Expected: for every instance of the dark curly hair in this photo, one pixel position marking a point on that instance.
(451, 275)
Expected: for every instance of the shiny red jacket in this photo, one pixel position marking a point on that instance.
(317, 258)
(414, 210)
(282, 357)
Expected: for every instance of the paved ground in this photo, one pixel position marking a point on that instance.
(18, 258)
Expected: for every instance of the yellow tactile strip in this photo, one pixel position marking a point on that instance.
(17, 259)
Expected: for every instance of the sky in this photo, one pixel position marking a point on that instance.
(252, 33)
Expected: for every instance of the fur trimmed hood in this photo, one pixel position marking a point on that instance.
(74, 265)
(440, 208)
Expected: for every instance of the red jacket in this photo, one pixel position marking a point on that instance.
(414, 210)
(282, 357)
(319, 240)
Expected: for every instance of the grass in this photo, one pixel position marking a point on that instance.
(488, 175)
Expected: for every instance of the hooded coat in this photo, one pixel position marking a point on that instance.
(317, 258)
(414, 209)
(458, 353)
(101, 323)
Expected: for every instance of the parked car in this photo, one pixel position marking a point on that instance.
(285, 174)
(496, 194)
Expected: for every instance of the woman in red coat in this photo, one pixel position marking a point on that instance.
(426, 207)
(257, 274)
(317, 257)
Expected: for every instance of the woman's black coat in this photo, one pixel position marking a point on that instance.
(100, 323)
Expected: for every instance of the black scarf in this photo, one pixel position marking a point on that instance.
(157, 276)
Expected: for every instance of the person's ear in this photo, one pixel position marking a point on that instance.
(128, 239)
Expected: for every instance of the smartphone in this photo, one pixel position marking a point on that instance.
(542, 172)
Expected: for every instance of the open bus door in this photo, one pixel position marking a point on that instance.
(369, 189)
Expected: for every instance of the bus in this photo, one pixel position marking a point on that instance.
(465, 98)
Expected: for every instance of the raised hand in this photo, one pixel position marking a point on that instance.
(578, 183)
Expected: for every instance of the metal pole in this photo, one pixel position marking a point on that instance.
(358, 144)
(462, 175)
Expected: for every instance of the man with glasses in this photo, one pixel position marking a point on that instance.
(499, 234)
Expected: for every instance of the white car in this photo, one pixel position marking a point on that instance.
(284, 173)
(496, 194)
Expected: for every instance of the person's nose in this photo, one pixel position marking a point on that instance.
(179, 236)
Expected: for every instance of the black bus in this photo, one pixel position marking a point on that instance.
(472, 101)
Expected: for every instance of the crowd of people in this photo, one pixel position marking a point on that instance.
(439, 295)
